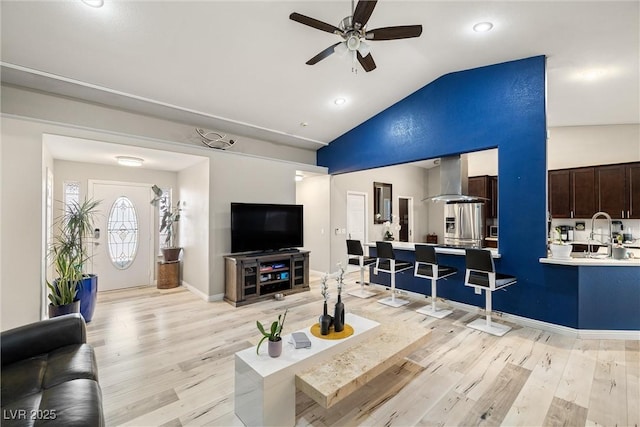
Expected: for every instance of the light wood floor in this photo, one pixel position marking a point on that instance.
(165, 358)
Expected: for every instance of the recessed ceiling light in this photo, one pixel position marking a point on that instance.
(304, 124)
(299, 176)
(93, 3)
(129, 161)
(482, 27)
(339, 101)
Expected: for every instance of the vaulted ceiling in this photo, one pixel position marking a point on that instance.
(239, 66)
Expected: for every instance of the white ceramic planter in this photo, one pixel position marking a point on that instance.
(560, 251)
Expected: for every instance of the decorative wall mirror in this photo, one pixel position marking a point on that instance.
(381, 202)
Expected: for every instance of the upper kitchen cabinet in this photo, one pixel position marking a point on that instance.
(581, 192)
(632, 187)
(618, 190)
(611, 190)
(572, 193)
(485, 187)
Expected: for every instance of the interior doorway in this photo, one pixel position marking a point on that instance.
(405, 213)
(357, 215)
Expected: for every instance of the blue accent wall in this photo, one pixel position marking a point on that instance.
(501, 106)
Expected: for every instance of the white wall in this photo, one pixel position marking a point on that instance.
(242, 179)
(315, 194)
(27, 103)
(22, 254)
(575, 146)
(407, 180)
(193, 185)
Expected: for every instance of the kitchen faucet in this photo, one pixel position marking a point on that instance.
(610, 244)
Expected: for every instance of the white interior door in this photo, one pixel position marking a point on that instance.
(123, 256)
(357, 216)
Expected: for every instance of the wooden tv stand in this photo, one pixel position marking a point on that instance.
(251, 278)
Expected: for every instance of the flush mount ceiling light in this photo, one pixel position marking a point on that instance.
(339, 101)
(93, 3)
(129, 161)
(482, 27)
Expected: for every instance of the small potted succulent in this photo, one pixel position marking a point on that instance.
(273, 335)
(560, 249)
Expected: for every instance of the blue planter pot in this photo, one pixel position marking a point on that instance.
(87, 294)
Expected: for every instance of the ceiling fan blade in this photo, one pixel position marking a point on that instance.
(363, 12)
(314, 23)
(319, 57)
(367, 62)
(394, 33)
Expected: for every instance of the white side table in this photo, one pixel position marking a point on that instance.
(265, 387)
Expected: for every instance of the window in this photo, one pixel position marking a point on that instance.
(122, 233)
(71, 194)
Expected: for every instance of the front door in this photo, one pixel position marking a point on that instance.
(123, 255)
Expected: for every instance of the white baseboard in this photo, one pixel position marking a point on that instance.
(532, 323)
(199, 293)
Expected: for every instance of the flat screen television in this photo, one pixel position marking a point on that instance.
(264, 227)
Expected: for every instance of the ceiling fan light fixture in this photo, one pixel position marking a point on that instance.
(353, 42)
(341, 49)
(482, 27)
(364, 49)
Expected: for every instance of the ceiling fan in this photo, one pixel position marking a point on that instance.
(353, 31)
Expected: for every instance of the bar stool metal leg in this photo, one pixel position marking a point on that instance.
(392, 301)
(432, 310)
(485, 325)
(362, 292)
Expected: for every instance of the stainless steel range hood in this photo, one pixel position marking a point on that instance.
(453, 181)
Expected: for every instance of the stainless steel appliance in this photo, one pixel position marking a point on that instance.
(463, 223)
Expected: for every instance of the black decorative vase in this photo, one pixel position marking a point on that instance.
(338, 316)
(325, 321)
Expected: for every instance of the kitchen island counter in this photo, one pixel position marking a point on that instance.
(593, 262)
(410, 246)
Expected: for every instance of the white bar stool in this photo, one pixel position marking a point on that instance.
(357, 257)
(387, 263)
(481, 274)
(427, 267)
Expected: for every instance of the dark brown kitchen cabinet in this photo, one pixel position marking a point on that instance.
(485, 186)
(493, 192)
(572, 193)
(478, 186)
(632, 190)
(610, 184)
(581, 192)
(583, 189)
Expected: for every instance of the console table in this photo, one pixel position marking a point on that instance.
(265, 387)
(255, 277)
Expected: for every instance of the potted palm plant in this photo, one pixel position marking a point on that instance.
(70, 255)
(170, 216)
(273, 335)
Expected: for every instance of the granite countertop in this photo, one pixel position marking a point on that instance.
(410, 246)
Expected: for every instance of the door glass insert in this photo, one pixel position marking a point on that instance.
(122, 230)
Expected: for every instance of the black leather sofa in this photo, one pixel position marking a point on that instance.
(50, 375)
